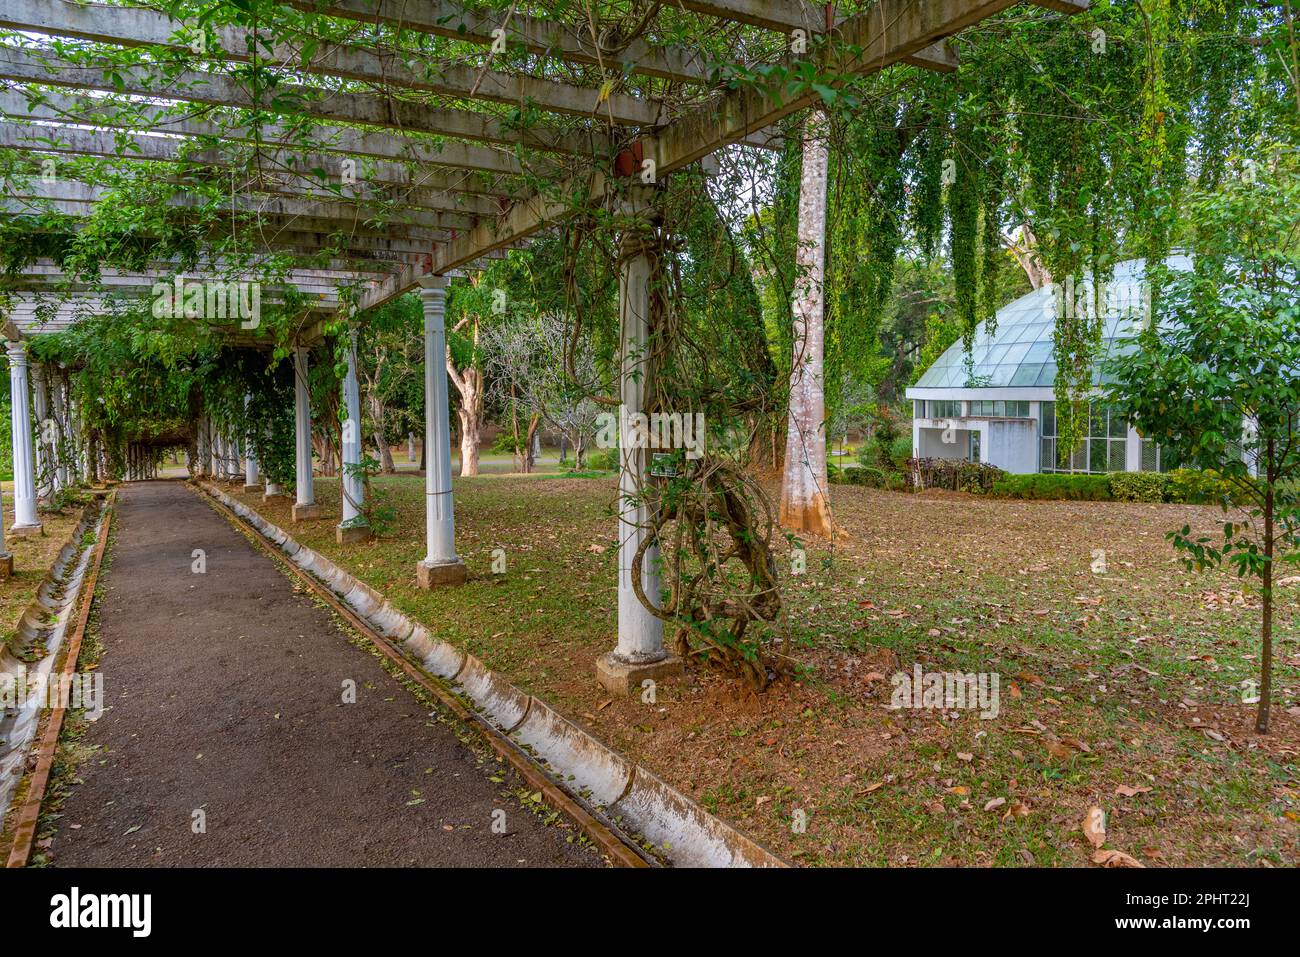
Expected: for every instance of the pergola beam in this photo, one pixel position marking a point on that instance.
(366, 109)
(73, 141)
(780, 15)
(892, 31)
(382, 153)
(536, 35)
(139, 27)
(325, 207)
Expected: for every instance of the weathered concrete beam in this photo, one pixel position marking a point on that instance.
(891, 32)
(296, 234)
(941, 57)
(364, 109)
(286, 181)
(412, 223)
(536, 35)
(379, 156)
(387, 67)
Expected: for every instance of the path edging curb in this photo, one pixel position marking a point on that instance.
(62, 592)
(579, 764)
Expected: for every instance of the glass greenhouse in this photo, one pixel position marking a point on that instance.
(997, 405)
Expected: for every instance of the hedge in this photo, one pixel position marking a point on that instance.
(1090, 488)
(1138, 486)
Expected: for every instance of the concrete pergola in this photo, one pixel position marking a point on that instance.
(436, 174)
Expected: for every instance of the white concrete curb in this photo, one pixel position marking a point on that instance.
(42, 626)
(630, 797)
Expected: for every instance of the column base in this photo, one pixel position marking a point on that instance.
(429, 575)
(250, 488)
(305, 513)
(26, 531)
(624, 678)
(6, 566)
(352, 534)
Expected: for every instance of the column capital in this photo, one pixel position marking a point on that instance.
(432, 283)
(17, 350)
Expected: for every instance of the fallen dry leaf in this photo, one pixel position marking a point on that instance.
(1017, 809)
(1115, 859)
(1055, 747)
(995, 804)
(1094, 826)
(1128, 790)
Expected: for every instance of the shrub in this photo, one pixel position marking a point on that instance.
(602, 460)
(1138, 486)
(956, 475)
(900, 452)
(1196, 487)
(1090, 488)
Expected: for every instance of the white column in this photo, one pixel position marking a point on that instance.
(410, 446)
(25, 520)
(251, 479)
(59, 444)
(202, 453)
(1132, 450)
(354, 487)
(305, 506)
(441, 564)
(214, 449)
(44, 450)
(640, 633)
(640, 653)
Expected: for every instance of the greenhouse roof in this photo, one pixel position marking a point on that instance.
(1017, 352)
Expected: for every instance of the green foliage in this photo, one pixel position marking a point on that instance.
(1216, 378)
(1138, 486)
(1197, 487)
(1088, 488)
(955, 475)
(603, 460)
(377, 511)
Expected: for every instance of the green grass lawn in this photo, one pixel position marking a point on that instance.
(1119, 689)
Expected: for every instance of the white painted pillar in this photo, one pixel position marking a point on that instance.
(60, 416)
(305, 506)
(26, 521)
(353, 485)
(202, 449)
(44, 448)
(251, 479)
(214, 449)
(441, 564)
(640, 653)
(410, 447)
(640, 633)
(1132, 451)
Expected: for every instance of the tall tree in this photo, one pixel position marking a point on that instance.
(804, 503)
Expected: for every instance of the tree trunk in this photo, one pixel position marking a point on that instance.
(469, 383)
(804, 505)
(378, 413)
(470, 413)
(530, 438)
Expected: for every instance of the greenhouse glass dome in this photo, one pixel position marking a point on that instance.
(996, 406)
